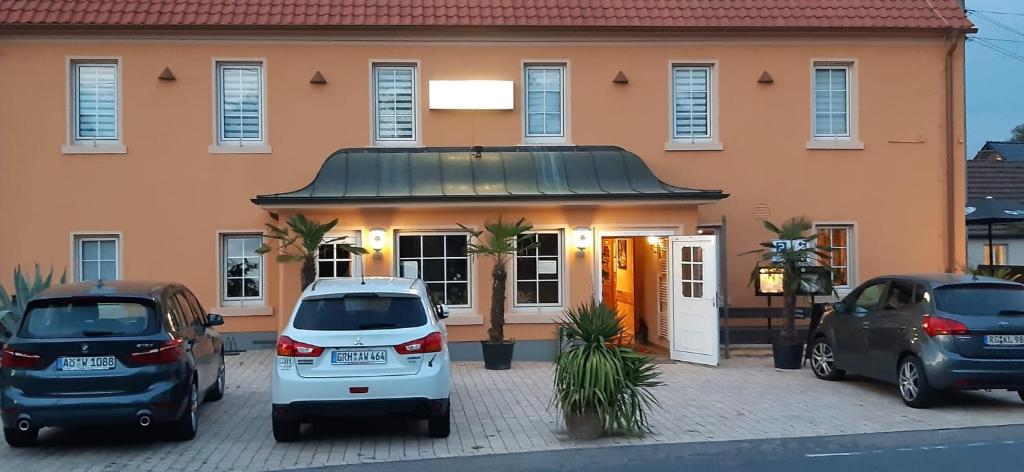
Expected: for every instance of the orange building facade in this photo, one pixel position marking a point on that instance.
(159, 177)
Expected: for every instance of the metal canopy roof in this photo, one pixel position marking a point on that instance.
(484, 174)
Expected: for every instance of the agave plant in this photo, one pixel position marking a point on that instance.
(300, 241)
(13, 309)
(596, 375)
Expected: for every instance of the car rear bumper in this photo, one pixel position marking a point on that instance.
(432, 382)
(310, 410)
(162, 402)
(954, 372)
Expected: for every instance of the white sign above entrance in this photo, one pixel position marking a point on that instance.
(471, 95)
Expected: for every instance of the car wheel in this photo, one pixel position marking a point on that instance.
(18, 438)
(186, 427)
(440, 426)
(913, 383)
(823, 361)
(217, 392)
(286, 430)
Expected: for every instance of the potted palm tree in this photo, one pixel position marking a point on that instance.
(798, 249)
(300, 241)
(601, 386)
(499, 241)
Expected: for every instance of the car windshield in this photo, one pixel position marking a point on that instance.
(360, 312)
(88, 317)
(981, 299)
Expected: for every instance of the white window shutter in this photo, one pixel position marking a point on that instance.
(394, 89)
(96, 101)
(241, 103)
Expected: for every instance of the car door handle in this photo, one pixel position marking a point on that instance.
(865, 325)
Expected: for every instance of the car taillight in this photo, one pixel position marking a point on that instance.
(288, 347)
(936, 326)
(170, 351)
(433, 342)
(18, 359)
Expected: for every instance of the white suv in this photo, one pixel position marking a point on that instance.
(358, 347)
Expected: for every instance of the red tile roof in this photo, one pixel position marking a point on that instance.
(695, 14)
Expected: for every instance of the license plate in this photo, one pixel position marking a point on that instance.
(1004, 340)
(86, 363)
(359, 357)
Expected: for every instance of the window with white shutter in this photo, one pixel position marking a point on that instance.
(691, 103)
(545, 102)
(394, 91)
(240, 118)
(94, 92)
(832, 101)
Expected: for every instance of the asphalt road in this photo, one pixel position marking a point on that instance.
(968, 449)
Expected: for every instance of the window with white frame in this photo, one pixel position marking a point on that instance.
(691, 103)
(97, 257)
(240, 118)
(334, 261)
(832, 100)
(441, 260)
(839, 239)
(94, 95)
(545, 101)
(241, 268)
(394, 98)
(538, 271)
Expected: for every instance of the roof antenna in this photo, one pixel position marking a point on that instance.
(362, 276)
(99, 283)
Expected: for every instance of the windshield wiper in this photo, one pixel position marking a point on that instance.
(1011, 313)
(377, 325)
(97, 332)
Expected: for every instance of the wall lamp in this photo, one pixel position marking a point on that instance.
(377, 238)
(583, 238)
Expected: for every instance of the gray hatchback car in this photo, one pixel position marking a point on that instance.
(120, 352)
(926, 333)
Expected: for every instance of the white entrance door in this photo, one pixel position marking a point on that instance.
(693, 272)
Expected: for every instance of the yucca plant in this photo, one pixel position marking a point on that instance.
(300, 241)
(11, 311)
(596, 376)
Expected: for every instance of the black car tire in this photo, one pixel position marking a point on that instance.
(823, 361)
(217, 391)
(186, 427)
(286, 430)
(440, 426)
(913, 384)
(18, 438)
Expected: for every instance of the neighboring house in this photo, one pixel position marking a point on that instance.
(996, 178)
(154, 139)
(1000, 151)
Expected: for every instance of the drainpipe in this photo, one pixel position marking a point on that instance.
(951, 161)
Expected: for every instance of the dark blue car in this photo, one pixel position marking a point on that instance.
(110, 353)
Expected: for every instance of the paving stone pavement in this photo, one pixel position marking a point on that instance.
(509, 411)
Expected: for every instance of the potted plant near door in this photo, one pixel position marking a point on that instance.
(601, 386)
(796, 250)
(499, 241)
(301, 240)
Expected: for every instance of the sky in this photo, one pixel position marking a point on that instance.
(995, 81)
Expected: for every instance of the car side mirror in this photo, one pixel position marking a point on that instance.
(839, 307)
(442, 311)
(214, 319)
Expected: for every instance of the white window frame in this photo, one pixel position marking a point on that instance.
(470, 279)
(77, 238)
(356, 263)
(563, 137)
(84, 145)
(850, 140)
(561, 273)
(709, 142)
(851, 251)
(222, 145)
(414, 65)
(222, 279)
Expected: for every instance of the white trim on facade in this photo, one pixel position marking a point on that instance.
(239, 146)
(711, 142)
(851, 140)
(563, 66)
(74, 267)
(417, 117)
(73, 144)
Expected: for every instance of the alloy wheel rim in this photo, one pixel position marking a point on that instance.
(220, 380)
(194, 406)
(909, 378)
(822, 359)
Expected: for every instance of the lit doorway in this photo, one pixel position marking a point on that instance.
(634, 281)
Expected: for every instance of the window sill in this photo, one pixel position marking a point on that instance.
(533, 141)
(464, 320)
(546, 315)
(694, 146)
(109, 148)
(398, 144)
(849, 144)
(243, 310)
(243, 149)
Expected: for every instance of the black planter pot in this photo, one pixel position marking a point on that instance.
(788, 356)
(498, 356)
